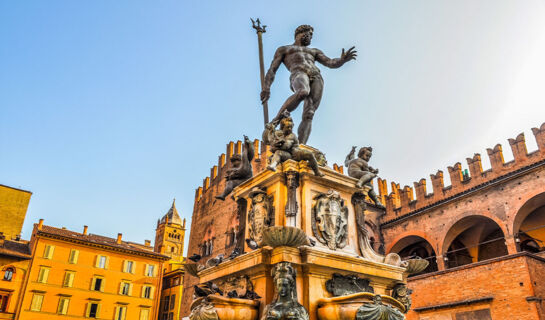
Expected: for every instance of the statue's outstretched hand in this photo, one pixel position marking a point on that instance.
(350, 54)
(265, 94)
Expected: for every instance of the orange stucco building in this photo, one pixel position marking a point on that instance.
(64, 274)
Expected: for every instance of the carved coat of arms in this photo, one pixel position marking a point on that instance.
(330, 220)
(259, 214)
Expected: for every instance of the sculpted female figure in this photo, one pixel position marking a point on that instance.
(285, 305)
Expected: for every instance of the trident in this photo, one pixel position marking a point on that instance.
(261, 30)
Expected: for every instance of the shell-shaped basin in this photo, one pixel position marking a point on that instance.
(279, 236)
(216, 307)
(234, 308)
(346, 307)
(416, 265)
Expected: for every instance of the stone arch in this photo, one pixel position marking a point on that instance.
(529, 224)
(411, 246)
(406, 234)
(473, 238)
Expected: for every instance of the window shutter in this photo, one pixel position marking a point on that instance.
(72, 276)
(97, 261)
(65, 307)
(116, 313)
(130, 289)
(68, 279)
(121, 288)
(152, 291)
(144, 314)
(133, 267)
(154, 270)
(146, 268)
(50, 253)
(74, 254)
(46, 274)
(87, 310)
(107, 263)
(124, 265)
(102, 284)
(143, 292)
(99, 306)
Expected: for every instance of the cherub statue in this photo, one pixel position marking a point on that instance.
(285, 145)
(359, 168)
(284, 304)
(241, 169)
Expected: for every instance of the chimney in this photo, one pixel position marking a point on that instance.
(85, 230)
(119, 235)
(147, 243)
(40, 224)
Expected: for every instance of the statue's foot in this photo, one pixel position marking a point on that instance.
(220, 197)
(359, 185)
(319, 174)
(271, 168)
(378, 203)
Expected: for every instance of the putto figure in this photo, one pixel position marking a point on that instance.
(359, 168)
(241, 169)
(305, 80)
(285, 145)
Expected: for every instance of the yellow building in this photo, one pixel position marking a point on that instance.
(13, 206)
(169, 240)
(14, 260)
(76, 275)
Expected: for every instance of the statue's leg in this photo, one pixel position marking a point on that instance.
(309, 156)
(301, 88)
(312, 102)
(275, 159)
(375, 198)
(229, 186)
(365, 178)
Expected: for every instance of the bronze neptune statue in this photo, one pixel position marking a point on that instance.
(305, 80)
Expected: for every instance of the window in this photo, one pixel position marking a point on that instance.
(150, 270)
(68, 279)
(120, 313)
(165, 303)
(4, 300)
(8, 274)
(63, 305)
(147, 291)
(48, 251)
(144, 314)
(98, 283)
(128, 266)
(170, 316)
(37, 300)
(93, 310)
(102, 262)
(73, 258)
(43, 274)
(172, 301)
(125, 288)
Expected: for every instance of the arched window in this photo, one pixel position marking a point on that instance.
(8, 274)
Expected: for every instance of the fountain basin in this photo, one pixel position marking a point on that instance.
(346, 307)
(225, 308)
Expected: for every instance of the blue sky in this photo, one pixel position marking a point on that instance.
(110, 109)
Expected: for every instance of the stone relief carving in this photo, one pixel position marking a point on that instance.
(292, 182)
(402, 293)
(284, 304)
(378, 310)
(366, 250)
(259, 214)
(330, 220)
(341, 285)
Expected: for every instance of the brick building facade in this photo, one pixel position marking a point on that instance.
(487, 230)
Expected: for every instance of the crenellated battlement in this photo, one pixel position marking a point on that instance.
(401, 201)
(210, 184)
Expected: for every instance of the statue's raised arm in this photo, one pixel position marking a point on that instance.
(351, 54)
